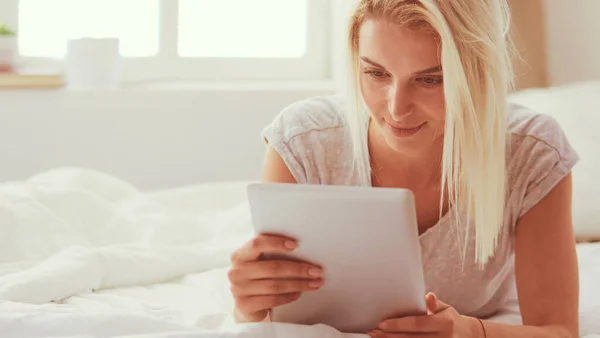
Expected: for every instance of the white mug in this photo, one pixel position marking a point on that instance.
(93, 63)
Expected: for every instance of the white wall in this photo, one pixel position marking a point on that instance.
(152, 138)
(573, 42)
(172, 137)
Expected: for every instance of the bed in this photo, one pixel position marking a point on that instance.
(84, 253)
(129, 264)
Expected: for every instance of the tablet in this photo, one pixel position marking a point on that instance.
(366, 240)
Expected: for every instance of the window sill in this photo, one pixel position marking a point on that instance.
(320, 86)
(233, 86)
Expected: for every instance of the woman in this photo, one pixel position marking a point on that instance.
(491, 180)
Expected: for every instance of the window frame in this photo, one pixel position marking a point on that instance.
(167, 65)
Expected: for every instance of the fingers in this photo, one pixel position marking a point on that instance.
(260, 285)
(376, 334)
(440, 318)
(275, 287)
(255, 304)
(274, 278)
(273, 270)
(431, 302)
(413, 324)
(434, 305)
(381, 334)
(252, 250)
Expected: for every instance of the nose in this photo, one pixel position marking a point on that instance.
(399, 101)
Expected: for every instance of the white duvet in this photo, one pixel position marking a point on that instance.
(85, 254)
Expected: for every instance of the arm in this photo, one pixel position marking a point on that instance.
(546, 270)
(274, 168)
(547, 283)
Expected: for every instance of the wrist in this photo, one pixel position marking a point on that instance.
(475, 327)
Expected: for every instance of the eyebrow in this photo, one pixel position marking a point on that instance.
(433, 69)
(371, 62)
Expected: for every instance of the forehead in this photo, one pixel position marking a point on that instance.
(395, 46)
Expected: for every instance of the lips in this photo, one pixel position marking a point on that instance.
(404, 131)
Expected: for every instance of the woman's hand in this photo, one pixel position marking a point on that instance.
(441, 321)
(258, 285)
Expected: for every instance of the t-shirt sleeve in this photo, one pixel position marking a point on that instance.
(282, 133)
(303, 134)
(545, 157)
(274, 137)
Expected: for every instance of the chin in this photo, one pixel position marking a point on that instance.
(413, 146)
(410, 149)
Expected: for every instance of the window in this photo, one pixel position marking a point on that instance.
(187, 39)
(86, 18)
(241, 34)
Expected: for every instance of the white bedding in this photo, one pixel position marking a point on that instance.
(84, 254)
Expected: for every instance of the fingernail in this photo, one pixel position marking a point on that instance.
(383, 326)
(290, 244)
(315, 283)
(315, 272)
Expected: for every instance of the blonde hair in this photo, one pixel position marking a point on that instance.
(476, 52)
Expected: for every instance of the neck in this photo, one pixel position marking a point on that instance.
(391, 167)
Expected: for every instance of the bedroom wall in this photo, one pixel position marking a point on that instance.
(529, 32)
(157, 138)
(573, 43)
(152, 138)
(557, 41)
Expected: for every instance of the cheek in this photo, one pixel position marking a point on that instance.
(433, 104)
(375, 96)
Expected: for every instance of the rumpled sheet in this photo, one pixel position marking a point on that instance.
(83, 254)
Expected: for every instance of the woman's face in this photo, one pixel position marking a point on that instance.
(402, 85)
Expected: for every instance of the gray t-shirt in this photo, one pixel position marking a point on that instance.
(313, 139)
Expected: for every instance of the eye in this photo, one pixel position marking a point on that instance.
(377, 74)
(430, 81)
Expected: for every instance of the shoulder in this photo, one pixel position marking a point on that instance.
(539, 155)
(537, 137)
(310, 135)
(314, 114)
(535, 128)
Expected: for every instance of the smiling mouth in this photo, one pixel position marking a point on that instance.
(403, 131)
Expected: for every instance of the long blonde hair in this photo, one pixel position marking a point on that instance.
(476, 52)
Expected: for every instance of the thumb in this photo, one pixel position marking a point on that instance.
(434, 305)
